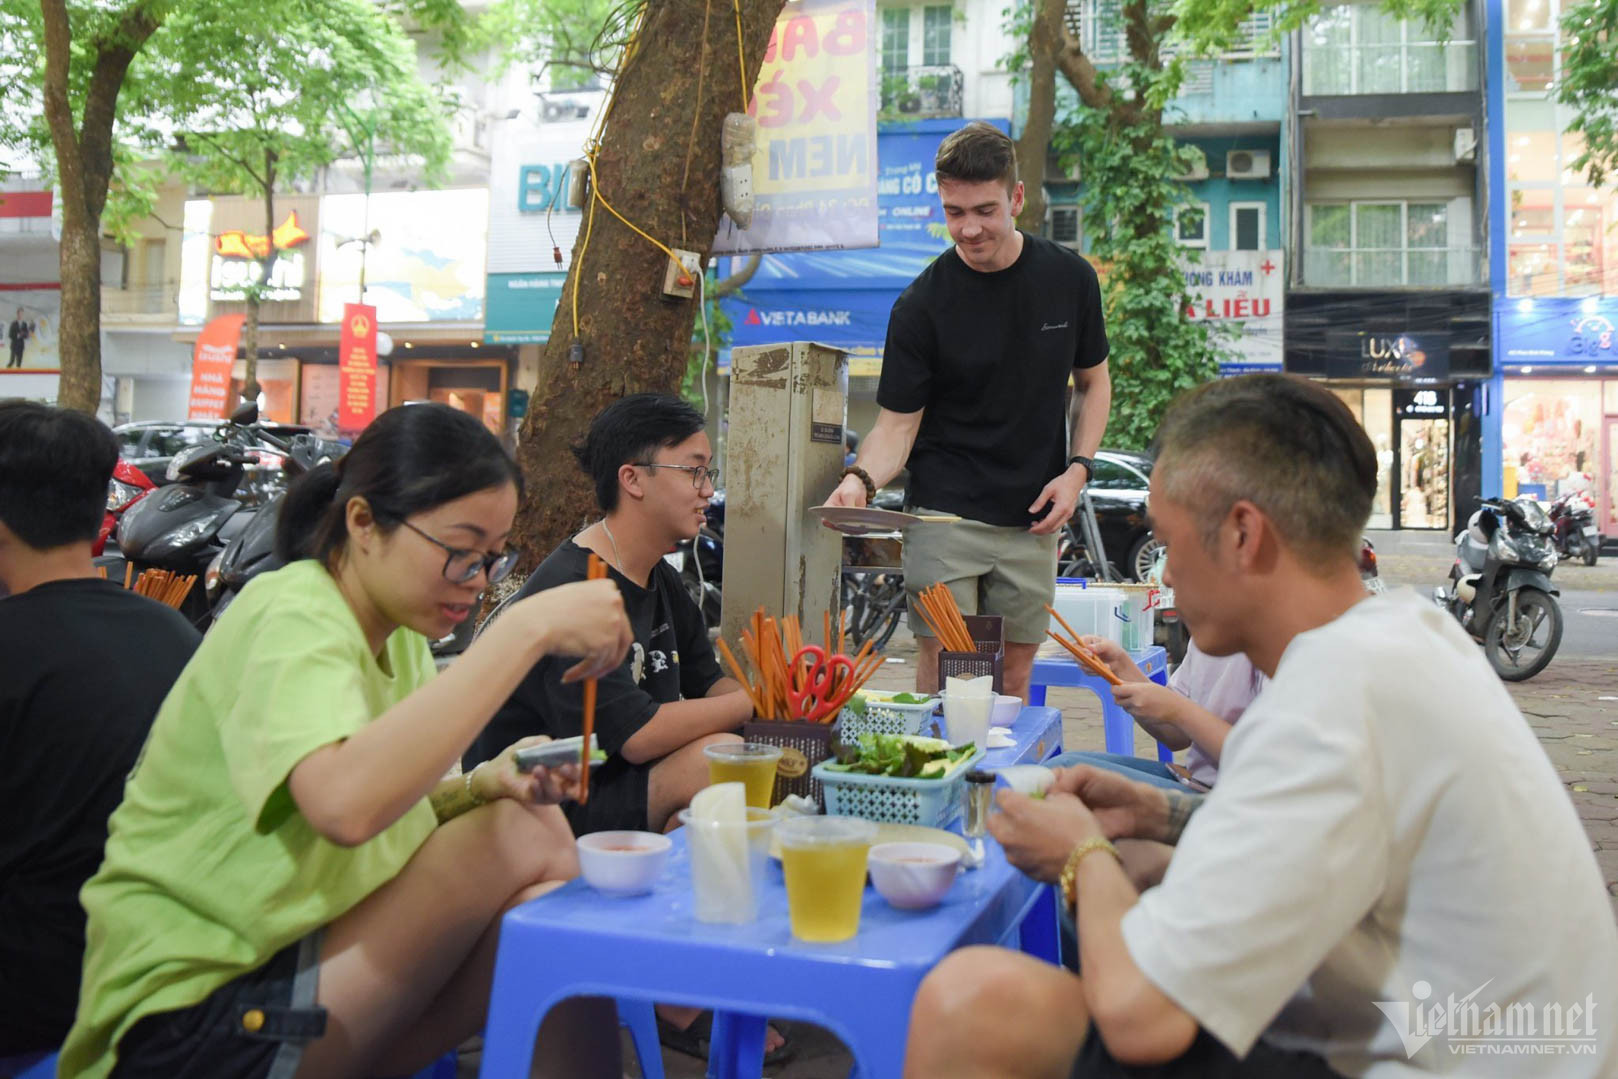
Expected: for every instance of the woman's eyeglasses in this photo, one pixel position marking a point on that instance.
(464, 563)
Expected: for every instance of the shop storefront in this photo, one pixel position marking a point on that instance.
(423, 267)
(1560, 426)
(1417, 387)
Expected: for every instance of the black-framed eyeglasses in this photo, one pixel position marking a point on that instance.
(698, 473)
(464, 563)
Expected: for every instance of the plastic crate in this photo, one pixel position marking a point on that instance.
(803, 746)
(988, 634)
(886, 717)
(931, 803)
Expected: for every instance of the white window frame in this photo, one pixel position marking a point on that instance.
(1263, 224)
(1207, 225)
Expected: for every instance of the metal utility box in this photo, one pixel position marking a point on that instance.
(783, 454)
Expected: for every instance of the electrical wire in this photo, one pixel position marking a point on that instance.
(741, 57)
(707, 343)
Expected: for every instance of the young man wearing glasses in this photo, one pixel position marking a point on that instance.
(650, 461)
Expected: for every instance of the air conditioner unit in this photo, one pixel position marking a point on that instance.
(1198, 170)
(1247, 165)
(1466, 144)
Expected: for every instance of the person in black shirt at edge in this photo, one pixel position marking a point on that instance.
(650, 461)
(649, 458)
(978, 355)
(85, 666)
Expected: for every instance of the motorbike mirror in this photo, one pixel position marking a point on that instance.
(246, 413)
(192, 458)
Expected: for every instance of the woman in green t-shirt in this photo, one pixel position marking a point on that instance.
(290, 889)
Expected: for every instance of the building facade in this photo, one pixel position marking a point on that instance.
(1553, 276)
(1388, 300)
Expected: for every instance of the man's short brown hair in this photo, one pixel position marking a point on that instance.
(1285, 444)
(977, 153)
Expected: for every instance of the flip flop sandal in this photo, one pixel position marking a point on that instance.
(694, 1039)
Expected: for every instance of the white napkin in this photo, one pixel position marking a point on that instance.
(1000, 738)
(720, 815)
(981, 686)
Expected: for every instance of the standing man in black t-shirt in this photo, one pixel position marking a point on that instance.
(84, 666)
(649, 458)
(974, 375)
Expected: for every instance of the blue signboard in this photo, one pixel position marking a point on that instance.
(1558, 330)
(844, 297)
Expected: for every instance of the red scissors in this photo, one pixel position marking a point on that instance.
(814, 693)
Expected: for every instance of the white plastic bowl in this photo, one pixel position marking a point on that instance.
(623, 863)
(913, 876)
(1005, 711)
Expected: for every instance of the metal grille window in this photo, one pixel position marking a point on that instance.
(895, 40)
(936, 23)
(1065, 223)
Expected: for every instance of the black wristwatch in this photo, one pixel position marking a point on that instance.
(1089, 465)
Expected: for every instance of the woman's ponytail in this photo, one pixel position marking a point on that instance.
(309, 513)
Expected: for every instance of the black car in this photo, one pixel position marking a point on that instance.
(1118, 492)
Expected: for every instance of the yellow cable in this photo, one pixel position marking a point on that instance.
(578, 263)
(741, 59)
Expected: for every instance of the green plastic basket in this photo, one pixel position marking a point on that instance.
(931, 803)
(886, 717)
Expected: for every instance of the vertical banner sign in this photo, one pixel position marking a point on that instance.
(211, 361)
(356, 364)
(814, 165)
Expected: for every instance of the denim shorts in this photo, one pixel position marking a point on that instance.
(252, 1027)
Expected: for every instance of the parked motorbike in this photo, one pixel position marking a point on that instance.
(1573, 518)
(873, 601)
(183, 526)
(1500, 586)
(252, 550)
(127, 486)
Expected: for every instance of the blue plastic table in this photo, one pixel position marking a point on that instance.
(1118, 724)
(575, 942)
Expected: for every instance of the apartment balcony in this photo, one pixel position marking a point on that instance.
(155, 303)
(1392, 267)
(924, 92)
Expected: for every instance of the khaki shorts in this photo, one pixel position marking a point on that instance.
(990, 570)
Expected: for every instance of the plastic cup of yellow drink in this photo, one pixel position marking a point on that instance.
(823, 859)
(749, 763)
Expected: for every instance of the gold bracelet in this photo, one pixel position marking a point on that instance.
(1070, 869)
(473, 796)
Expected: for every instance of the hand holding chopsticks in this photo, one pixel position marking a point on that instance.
(1087, 659)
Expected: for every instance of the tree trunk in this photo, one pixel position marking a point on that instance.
(255, 297)
(1033, 148)
(634, 340)
(84, 168)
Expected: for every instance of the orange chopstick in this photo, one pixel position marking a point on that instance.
(1087, 658)
(597, 569)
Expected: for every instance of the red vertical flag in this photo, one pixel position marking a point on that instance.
(356, 365)
(211, 362)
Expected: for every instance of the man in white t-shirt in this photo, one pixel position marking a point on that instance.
(1388, 879)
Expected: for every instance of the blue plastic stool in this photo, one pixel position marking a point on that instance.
(641, 1021)
(30, 1066)
(442, 1068)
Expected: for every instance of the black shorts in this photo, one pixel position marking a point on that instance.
(618, 799)
(253, 1027)
(1206, 1059)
